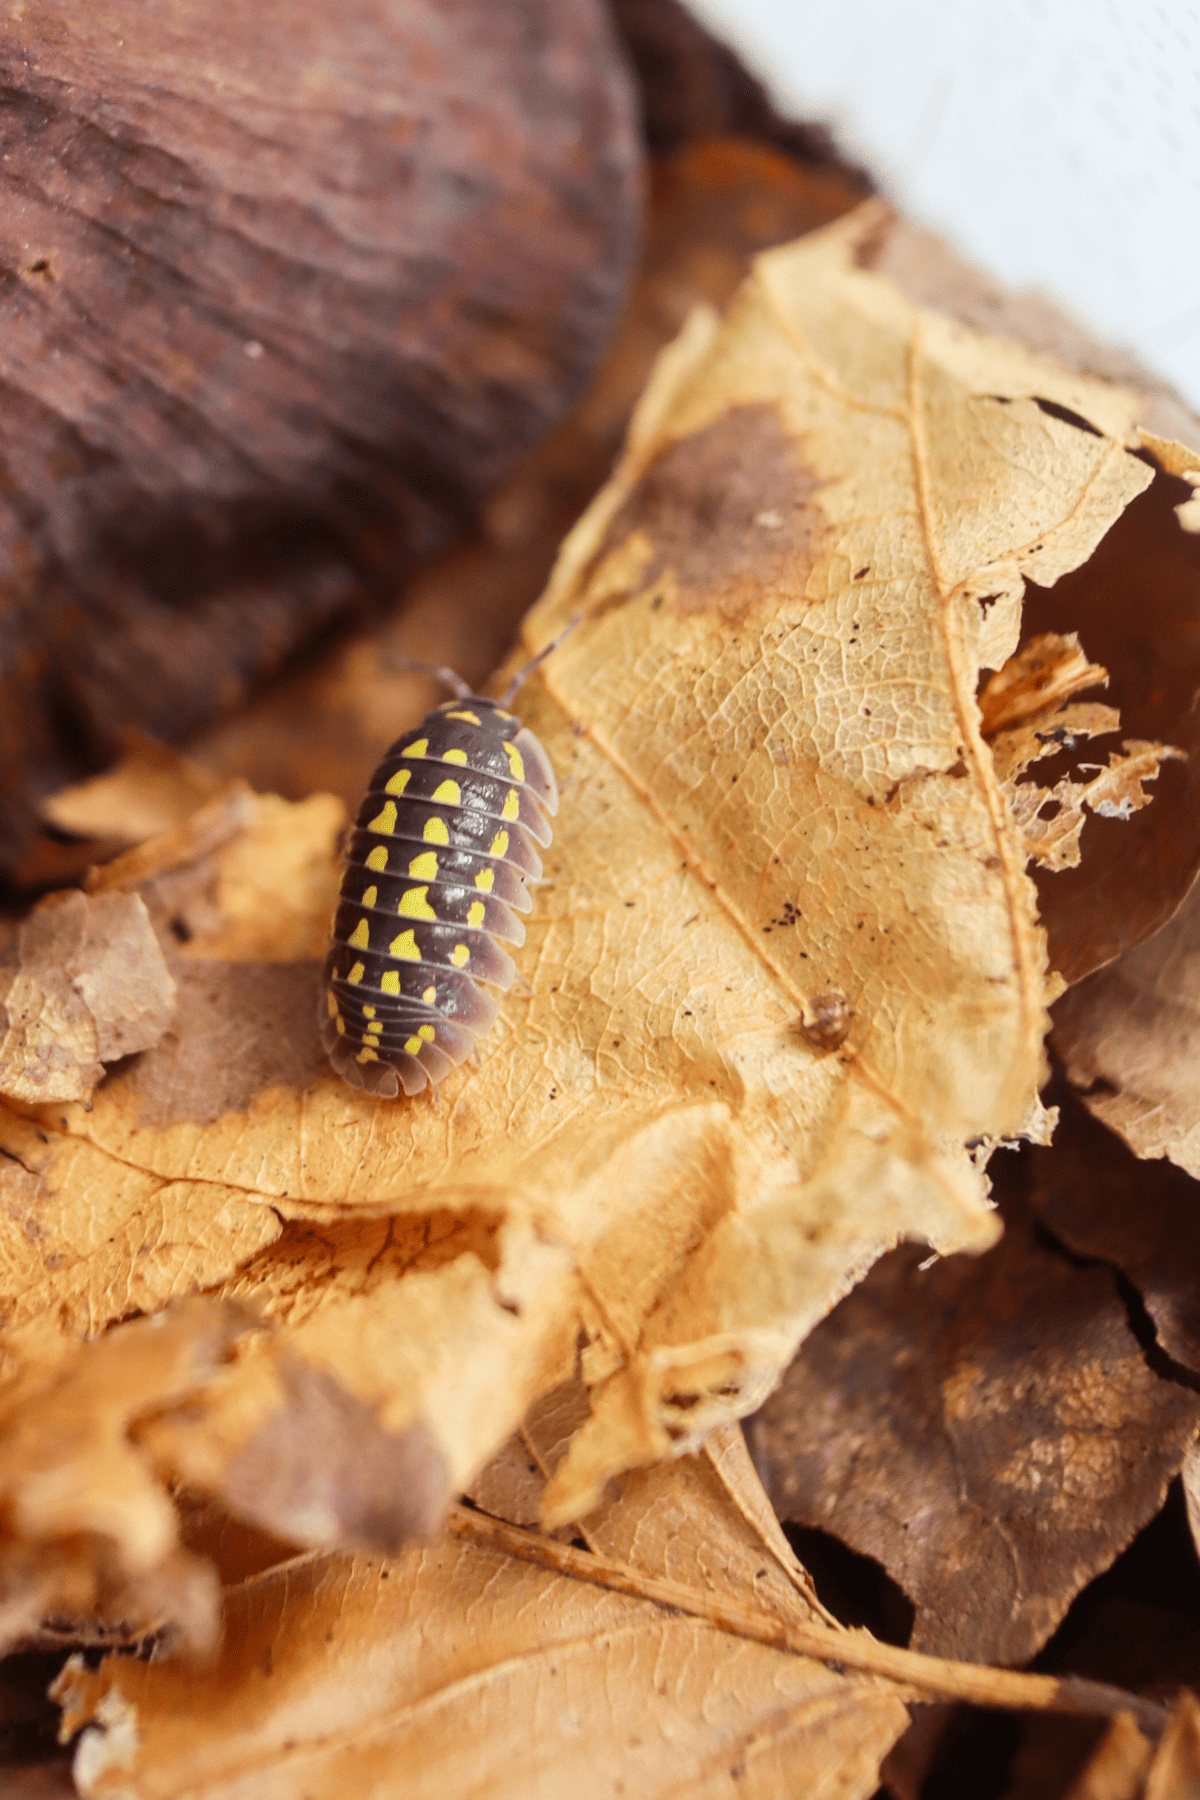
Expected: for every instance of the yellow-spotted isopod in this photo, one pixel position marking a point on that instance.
(437, 870)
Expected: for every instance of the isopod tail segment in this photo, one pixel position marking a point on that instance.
(445, 846)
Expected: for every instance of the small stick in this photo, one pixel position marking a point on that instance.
(845, 1649)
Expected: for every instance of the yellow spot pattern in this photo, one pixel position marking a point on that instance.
(447, 793)
(356, 974)
(460, 955)
(368, 1012)
(429, 996)
(331, 1003)
(512, 805)
(366, 1055)
(399, 781)
(455, 756)
(385, 821)
(378, 859)
(470, 717)
(414, 905)
(360, 937)
(389, 982)
(341, 1025)
(435, 832)
(417, 749)
(485, 880)
(412, 1046)
(427, 1032)
(515, 761)
(475, 913)
(424, 867)
(499, 844)
(370, 896)
(404, 948)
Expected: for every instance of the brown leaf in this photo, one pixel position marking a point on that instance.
(1101, 1202)
(84, 984)
(288, 296)
(1130, 1040)
(473, 1672)
(989, 1431)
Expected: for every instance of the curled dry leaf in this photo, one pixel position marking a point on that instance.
(988, 1430)
(83, 984)
(1129, 1038)
(780, 810)
(471, 1672)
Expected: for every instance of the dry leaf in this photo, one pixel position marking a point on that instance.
(1102, 1203)
(1029, 712)
(780, 812)
(1136, 602)
(456, 1670)
(989, 1431)
(152, 789)
(88, 1532)
(1130, 1040)
(1117, 1768)
(1175, 1772)
(84, 984)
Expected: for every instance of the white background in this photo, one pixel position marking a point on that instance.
(1055, 142)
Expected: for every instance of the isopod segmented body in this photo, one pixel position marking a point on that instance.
(437, 870)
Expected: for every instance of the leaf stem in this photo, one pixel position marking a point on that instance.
(847, 1649)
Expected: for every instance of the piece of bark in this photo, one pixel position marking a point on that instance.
(1102, 1202)
(84, 984)
(284, 298)
(711, 207)
(987, 1430)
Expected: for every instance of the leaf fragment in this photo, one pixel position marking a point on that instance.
(84, 984)
(1029, 712)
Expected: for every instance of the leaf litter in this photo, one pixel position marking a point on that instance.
(659, 1102)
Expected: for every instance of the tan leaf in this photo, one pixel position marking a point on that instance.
(152, 789)
(1130, 1039)
(88, 1531)
(1175, 1772)
(786, 963)
(1029, 713)
(1117, 1768)
(84, 984)
(457, 1670)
